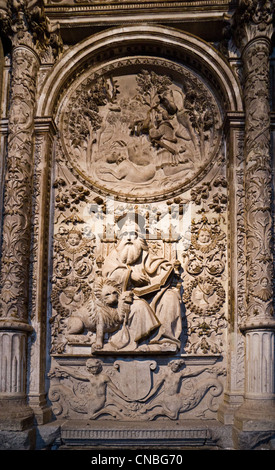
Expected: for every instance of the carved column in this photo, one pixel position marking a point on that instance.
(254, 28)
(14, 276)
(31, 35)
(16, 228)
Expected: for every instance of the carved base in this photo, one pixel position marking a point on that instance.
(123, 435)
(254, 425)
(15, 440)
(229, 407)
(15, 414)
(256, 415)
(42, 412)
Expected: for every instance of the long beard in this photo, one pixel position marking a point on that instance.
(130, 253)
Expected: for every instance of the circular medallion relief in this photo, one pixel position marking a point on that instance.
(140, 127)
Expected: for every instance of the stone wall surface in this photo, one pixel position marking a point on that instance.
(137, 223)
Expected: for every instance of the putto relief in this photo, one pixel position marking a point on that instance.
(140, 124)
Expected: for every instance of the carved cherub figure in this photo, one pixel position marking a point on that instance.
(103, 313)
(169, 395)
(94, 399)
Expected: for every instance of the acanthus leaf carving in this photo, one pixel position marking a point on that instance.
(18, 186)
(27, 24)
(253, 19)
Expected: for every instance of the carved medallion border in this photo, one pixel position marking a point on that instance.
(140, 63)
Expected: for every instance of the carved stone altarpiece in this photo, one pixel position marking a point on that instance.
(136, 258)
(137, 271)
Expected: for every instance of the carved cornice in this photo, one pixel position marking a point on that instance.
(94, 5)
(73, 13)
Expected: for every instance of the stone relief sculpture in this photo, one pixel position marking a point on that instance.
(155, 303)
(124, 131)
(138, 315)
(138, 281)
(99, 395)
(204, 295)
(133, 298)
(105, 311)
(95, 397)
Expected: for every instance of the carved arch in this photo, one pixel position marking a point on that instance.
(165, 40)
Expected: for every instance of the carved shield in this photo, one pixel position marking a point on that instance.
(134, 378)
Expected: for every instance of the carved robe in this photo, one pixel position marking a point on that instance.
(155, 302)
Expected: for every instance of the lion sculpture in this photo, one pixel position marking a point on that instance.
(103, 313)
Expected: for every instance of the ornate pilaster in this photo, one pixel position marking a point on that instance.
(28, 36)
(254, 30)
(44, 144)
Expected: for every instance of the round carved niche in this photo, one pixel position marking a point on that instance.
(140, 127)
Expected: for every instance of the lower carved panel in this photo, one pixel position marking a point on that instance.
(141, 390)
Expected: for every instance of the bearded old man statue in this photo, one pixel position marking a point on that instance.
(155, 309)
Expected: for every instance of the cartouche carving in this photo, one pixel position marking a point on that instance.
(169, 392)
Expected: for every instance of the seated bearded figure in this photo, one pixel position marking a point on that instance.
(155, 309)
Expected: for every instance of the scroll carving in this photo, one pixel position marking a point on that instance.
(204, 265)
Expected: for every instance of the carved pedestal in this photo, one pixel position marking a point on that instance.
(14, 413)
